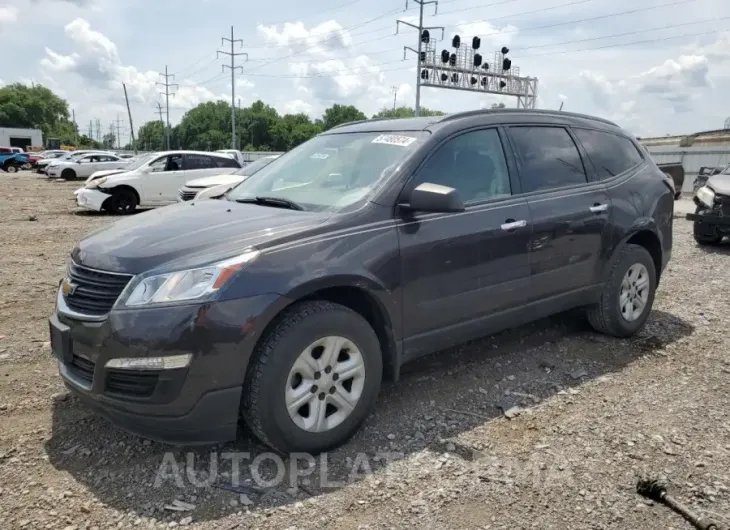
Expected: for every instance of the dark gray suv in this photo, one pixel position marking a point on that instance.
(285, 303)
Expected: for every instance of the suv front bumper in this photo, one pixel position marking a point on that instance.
(191, 405)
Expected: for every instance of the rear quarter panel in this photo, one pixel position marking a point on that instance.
(641, 201)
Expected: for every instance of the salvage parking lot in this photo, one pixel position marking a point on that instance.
(546, 426)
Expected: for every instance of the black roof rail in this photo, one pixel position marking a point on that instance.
(545, 112)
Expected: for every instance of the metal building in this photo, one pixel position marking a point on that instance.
(692, 158)
(21, 138)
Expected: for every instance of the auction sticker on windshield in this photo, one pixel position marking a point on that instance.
(394, 139)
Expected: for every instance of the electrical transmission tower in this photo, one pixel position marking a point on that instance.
(419, 52)
(98, 130)
(395, 95)
(233, 67)
(167, 93)
(119, 140)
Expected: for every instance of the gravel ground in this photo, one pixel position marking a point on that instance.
(587, 415)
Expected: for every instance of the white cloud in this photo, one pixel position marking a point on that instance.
(323, 38)
(295, 107)
(492, 37)
(8, 15)
(97, 62)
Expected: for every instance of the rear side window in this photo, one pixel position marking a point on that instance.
(199, 162)
(611, 154)
(548, 158)
(224, 161)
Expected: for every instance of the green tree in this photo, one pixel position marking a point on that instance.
(207, 126)
(339, 114)
(151, 136)
(36, 107)
(406, 112)
(109, 141)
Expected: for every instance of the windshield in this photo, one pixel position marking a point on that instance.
(253, 167)
(140, 161)
(330, 172)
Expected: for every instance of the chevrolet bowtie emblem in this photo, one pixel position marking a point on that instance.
(68, 288)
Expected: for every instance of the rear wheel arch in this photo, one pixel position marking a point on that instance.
(645, 238)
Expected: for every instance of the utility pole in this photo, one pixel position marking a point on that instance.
(418, 51)
(98, 130)
(167, 86)
(131, 126)
(233, 67)
(395, 95)
(91, 130)
(119, 138)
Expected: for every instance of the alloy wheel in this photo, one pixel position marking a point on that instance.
(634, 294)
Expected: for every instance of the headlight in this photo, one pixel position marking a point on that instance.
(95, 183)
(706, 196)
(189, 284)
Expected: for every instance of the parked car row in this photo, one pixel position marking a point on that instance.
(151, 180)
(286, 303)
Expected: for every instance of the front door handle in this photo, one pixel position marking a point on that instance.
(598, 208)
(511, 224)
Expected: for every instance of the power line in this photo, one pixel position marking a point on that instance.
(530, 28)
(233, 67)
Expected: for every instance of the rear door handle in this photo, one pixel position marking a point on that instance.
(509, 225)
(598, 208)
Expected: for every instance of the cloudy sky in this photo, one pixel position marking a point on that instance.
(654, 66)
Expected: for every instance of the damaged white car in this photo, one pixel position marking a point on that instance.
(214, 187)
(154, 182)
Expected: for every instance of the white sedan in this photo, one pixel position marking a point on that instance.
(200, 188)
(84, 166)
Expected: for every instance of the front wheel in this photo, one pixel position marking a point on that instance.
(628, 294)
(314, 378)
(68, 174)
(11, 168)
(122, 202)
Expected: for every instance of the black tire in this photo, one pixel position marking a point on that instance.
(68, 174)
(263, 405)
(605, 316)
(122, 202)
(677, 195)
(704, 233)
(11, 168)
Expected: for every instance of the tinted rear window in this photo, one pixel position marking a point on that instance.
(611, 154)
(548, 158)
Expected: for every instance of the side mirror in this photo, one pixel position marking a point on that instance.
(429, 197)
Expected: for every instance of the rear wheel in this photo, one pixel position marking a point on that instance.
(628, 294)
(11, 168)
(314, 378)
(68, 174)
(704, 233)
(122, 202)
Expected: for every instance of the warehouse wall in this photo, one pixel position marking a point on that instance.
(692, 158)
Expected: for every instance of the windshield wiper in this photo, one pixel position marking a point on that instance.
(271, 201)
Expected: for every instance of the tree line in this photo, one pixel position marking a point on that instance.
(207, 126)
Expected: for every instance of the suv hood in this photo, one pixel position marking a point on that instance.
(189, 234)
(215, 180)
(720, 184)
